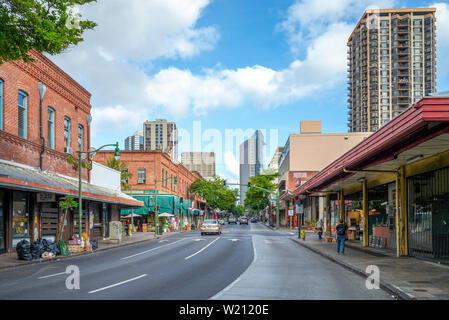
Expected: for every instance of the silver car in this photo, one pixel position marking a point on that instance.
(210, 226)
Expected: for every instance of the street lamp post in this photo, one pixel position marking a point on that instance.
(80, 200)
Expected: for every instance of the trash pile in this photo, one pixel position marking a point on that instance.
(36, 250)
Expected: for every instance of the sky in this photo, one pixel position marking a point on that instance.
(221, 69)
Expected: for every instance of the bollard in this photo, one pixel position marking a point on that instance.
(303, 234)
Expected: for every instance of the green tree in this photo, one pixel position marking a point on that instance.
(66, 203)
(44, 25)
(214, 193)
(121, 166)
(257, 199)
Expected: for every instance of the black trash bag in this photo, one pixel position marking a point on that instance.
(23, 249)
(53, 248)
(37, 248)
(94, 244)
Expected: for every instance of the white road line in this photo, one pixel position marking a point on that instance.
(204, 248)
(117, 284)
(138, 254)
(52, 275)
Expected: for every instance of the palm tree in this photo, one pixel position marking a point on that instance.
(121, 166)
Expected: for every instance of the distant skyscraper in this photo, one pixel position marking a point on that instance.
(161, 135)
(134, 142)
(391, 65)
(203, 162)
(251, 160)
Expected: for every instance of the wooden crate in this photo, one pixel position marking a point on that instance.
(74, 248)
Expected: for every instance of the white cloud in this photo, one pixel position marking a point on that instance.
(231, 164)
(112, 60)
(442, 43)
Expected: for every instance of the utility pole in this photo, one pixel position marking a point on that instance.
(132, 213)
(156, 217)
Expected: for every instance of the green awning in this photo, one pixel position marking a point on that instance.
(165, 205)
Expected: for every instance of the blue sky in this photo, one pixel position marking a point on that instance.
(231, 64)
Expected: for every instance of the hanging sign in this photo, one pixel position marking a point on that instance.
(46, 197)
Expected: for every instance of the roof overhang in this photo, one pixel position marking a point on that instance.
(420, 132)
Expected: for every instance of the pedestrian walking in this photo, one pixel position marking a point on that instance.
(341, 236)
(319, 228)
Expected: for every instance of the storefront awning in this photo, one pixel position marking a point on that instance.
(21, 177)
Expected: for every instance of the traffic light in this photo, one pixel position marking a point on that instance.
(181, 201)
(224, 184)
(249, 185)
(291, 203)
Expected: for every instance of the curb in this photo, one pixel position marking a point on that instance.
(384, 285)
(59, 258)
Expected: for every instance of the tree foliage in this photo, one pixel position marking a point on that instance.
(66, 203)
(44, 25)
(214, 193)
(257, 199)
(121, 166)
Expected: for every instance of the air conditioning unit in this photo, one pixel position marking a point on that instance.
(68, 150)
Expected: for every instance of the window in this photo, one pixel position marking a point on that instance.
(80, 137)
(162, 177)
(141, 175)
(1, 104)
(51, 128)
(22, 117)
(66, 133)
(166, 178)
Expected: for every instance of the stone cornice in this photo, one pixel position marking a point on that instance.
(40, 70)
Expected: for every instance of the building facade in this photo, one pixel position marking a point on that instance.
(161, 135)
(40, 134)
(202, 162)
(303, 156)
(156, 178)
(391, 65)
(134, 142)
(252, 153)
(392, 189)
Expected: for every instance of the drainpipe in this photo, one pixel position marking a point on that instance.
(89, 121)
(42, 88)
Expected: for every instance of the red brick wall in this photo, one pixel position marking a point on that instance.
(63, 94)
(153, 162)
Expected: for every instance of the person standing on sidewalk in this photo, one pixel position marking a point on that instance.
(341, 236)
(319, 228)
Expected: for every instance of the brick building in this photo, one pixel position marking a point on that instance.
(155, 170)
(36, 140)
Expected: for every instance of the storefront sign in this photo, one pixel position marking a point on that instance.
(46, 197)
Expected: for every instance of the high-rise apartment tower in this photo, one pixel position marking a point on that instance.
(161, 135)
(391, 65)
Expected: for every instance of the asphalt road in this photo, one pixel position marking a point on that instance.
(244, 262)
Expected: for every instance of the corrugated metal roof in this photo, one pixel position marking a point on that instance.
(34, 179)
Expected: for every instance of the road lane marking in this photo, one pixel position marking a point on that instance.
(163, 241)
(199, 239)
(138, 254)
(204, 248)
(117, 284)
(234, 240)
(52, 275)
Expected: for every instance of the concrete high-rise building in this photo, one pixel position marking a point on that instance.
(391, 65)
(251, 160)
(134, 142)
(202, 162)
(161, 135)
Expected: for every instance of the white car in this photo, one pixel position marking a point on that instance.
(221, 221)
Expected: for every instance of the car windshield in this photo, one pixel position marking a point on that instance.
(210, 222)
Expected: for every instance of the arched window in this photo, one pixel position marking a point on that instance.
(22, 114)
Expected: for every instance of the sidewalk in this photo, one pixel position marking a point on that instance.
(9, 260)
(407, 277)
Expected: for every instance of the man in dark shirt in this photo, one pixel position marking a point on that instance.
(341, 236)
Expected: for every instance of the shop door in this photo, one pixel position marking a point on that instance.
(50, 222)
(440, 229)
(2, 223)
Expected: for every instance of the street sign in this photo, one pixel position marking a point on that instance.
(290, 212)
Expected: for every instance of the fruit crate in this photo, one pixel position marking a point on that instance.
(74, 248)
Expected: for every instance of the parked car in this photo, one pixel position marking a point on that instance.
(243, 220)
(232, 220)
(210, 226)
(221, 221)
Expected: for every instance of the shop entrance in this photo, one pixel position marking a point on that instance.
(428, 215)
(2, 223)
